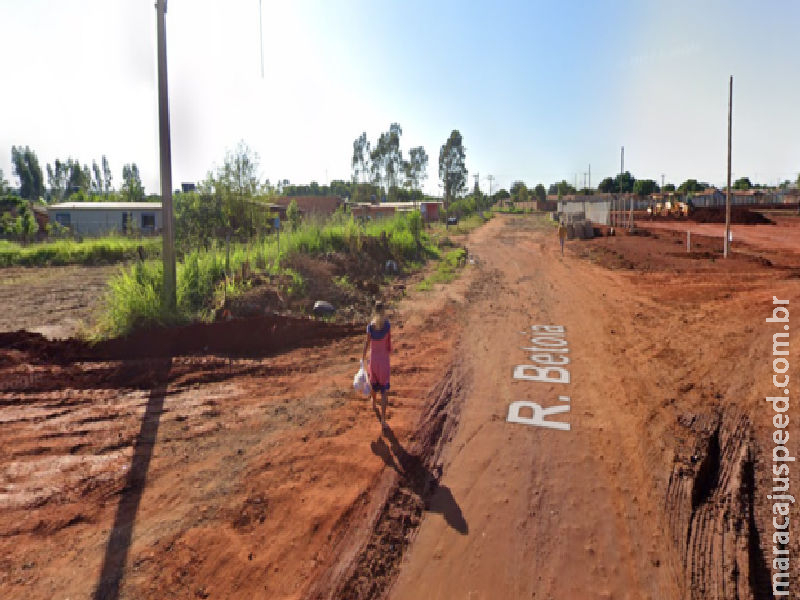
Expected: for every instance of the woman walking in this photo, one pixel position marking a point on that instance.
(379, 342)
(562, 235)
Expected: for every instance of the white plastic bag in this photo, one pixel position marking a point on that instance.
(361, 381)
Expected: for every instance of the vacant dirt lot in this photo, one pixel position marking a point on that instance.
(779, 239)
(203, 477)
(55, 301)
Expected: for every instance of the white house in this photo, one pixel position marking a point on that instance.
(99, 218)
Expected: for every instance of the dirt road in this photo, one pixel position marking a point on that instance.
(617, 506)
(200, 477)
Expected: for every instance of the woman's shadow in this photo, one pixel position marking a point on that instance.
(416, 476)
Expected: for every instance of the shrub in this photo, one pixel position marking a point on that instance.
(134, 296)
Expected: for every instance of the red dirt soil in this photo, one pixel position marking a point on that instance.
(200, 476)
(740, 215)
(779, 240)
(659, 488)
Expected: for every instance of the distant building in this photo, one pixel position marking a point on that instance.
(430, 210)
(188, 187)
(537, 204)
(308, 205)
(100, 218)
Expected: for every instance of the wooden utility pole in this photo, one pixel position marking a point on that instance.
(728, 190)
(168, 250)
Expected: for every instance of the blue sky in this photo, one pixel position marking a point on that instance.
(539, 90)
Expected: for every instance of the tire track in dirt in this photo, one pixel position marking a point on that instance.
(262, 468)
(651, 349)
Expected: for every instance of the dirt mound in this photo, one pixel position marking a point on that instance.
(351, 280)
(240, 337)
(419, 474)
(260, 336)
(38, 347)
(739, 216)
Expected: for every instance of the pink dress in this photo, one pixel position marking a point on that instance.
(380, 345)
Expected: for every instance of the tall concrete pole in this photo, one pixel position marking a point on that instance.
(728, 190)
(621, 207)
(261, 37)
(168, 250)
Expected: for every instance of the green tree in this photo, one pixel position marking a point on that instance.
(644, 187)
(668, 187)
(743, 183)
(97, 179)
(452, 167)
(7, 225)
(235, 188)
(540, 192)
(106, 176)
(516, 188)
(625, 182)
(361, 158)
(132, 189)
(80, 177)
(293, 215)
(691, 185)
(387, 159)
(608, 186)
(27, 169)
(239, 173)
(57, 177)
(500, 195)
(27, 225)
(416, 168)
(562, 188)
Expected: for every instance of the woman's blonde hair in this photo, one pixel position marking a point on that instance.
(379, 315)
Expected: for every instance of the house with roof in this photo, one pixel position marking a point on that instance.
(323, 206)
(101, 218)
(429, 209)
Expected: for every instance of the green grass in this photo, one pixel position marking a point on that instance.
(105, 250)
(134, 296)
(446, 270)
